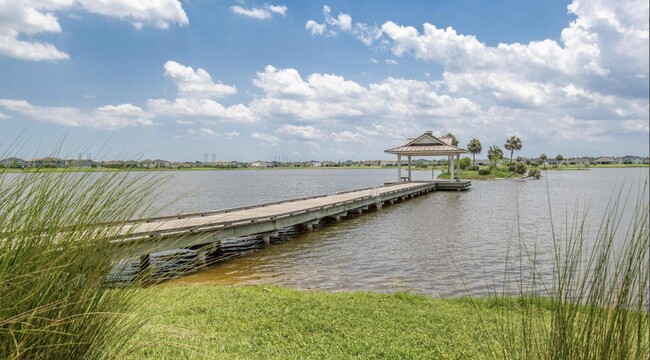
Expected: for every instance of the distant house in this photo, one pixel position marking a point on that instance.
(314, 163)
(224, 163)
(388, 163)
(482, 162)
(329, 164)
(578, 161)
(48, 162)
(13, 161)
(605, 161)
(260, 164)
(646, 160)
(629, 159)
(81, 163)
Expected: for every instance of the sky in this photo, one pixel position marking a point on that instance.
(310, 80)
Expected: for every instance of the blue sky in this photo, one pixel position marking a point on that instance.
(320, 80)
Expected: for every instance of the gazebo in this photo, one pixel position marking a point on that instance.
(428, 145)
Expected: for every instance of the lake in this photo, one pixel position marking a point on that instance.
(440, 244)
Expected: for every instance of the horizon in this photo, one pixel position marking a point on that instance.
(333, 80)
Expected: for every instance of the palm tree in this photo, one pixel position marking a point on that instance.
(495, 154)
(454, 141)
(559, 159)
(512, 144)
(543, 157)
(474, 147)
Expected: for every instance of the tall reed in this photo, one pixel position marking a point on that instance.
(54, 302)
(596, 305)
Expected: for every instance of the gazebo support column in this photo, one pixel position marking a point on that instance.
(458, 158)
(409, 167)
(452, 167)
(399, 168)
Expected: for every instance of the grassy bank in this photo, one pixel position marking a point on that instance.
(259, 322)
(474, 175)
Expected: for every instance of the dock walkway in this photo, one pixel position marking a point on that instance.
(203, 229)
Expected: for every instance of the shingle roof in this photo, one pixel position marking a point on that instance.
(427, 145)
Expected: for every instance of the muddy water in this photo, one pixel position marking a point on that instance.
(441, 244)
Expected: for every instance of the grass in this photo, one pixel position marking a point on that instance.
(599, 301)
(54, 302)
(496, 173)
(254, 322)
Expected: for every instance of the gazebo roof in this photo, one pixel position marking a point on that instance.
(427, 145)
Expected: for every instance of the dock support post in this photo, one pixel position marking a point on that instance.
(399, 168)
(266, 237)
(379, 205)
(452, 167)
(144, 265)
(310, 225)
(201, 258)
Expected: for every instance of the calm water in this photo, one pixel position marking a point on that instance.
(441, 244)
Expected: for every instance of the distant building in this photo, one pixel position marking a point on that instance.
(13, 161)
(48, 162)
(605, 161)
(260, 164)
(629, 159)
(578, 161)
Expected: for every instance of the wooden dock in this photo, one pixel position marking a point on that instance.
(195, 231)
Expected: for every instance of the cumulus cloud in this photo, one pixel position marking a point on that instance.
(265, 139)
(342, 22)
(195, 83)
(303, 132)
(591, 81)
(20, 21)
(108, 117)
(332, 98)
(260, 13)
(196, 91)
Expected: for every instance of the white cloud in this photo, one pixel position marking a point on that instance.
(20, 19)
(195, 83)
(391, 62)
(108, 117)
(265, 139)
(196, 90)
(3, 116)
(374, 61)
(185, 122)
(159, 13)
(303, 132)
(329, 97)
(231, 134)
(331, 26)
(260, 13)
(205, 108)
(314, 27)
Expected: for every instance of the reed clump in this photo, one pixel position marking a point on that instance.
(596, 306)
(54, 259)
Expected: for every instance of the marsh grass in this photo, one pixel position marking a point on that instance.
(596, 305)
(54, 300)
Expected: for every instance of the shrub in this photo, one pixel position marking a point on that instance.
(511, 167)
(485, 171)
(473, 168)
(520, 168)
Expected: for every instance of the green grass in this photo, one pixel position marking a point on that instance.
(54, 302)
(473, 175)
(262, 322)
